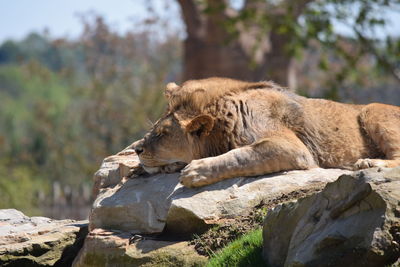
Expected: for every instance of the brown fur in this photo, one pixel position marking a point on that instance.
(225, 128)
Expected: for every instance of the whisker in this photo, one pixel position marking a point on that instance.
(150, 123)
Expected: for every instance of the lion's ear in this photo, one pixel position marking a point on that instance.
(200, 125)
(170, 88)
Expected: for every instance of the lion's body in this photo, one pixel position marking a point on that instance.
(231, 128)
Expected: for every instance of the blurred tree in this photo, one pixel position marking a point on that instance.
(261, 38)
(9, 52)
(21, 188)
(126, 77)
(53, 54)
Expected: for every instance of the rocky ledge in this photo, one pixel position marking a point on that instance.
(38, 241)
(347, 218)
(139, 219)
(354, 221)
(153, 204)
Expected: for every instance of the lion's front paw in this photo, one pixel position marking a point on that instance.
(369, 163)
(197, 173)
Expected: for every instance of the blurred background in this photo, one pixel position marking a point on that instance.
(81, 80)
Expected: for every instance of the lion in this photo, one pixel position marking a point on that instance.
(219, 128)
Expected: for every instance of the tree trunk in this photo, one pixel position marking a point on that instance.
(251, 54)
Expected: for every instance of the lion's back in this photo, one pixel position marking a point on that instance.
(334, 133)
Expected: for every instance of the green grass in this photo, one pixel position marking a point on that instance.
(245, 251)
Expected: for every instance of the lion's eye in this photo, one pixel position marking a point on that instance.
(160, 133)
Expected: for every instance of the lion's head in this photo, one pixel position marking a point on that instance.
(188, 130)
(175, 137)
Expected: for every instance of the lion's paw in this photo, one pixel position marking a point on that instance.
(369, 163)
(197, 173)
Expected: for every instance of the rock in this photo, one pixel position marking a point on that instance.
(148, 204)
(108, 248)
(113, 169)
(38, 241)
(354, 221)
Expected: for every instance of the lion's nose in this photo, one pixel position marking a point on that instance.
(138, 147)
(138, 150)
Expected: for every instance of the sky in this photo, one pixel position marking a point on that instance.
(61, 17)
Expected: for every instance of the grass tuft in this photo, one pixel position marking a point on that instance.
(245, 251)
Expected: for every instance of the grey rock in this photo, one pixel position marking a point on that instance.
(148, 204)
(137, 205)
(12, 216)
(354, 221)
(113, 169)
(38, 241)
(116, 248)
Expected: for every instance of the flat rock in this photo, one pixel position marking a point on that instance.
(151, 204)
(38, 241)
(353, 221)
(116, 248)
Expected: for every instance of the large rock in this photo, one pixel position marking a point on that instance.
(38, 241)
(107, 248)
(354, 221)
(149, 204)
